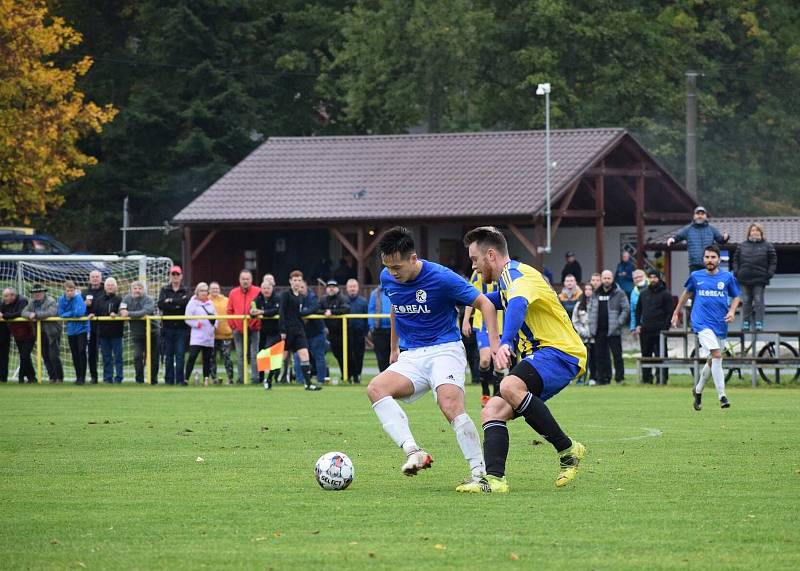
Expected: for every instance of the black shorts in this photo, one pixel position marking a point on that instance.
(529, 375)
(296, 340)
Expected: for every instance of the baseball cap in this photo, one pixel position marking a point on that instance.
(175, 269)
(38, 288)
(332, 283)
(568, 254)
(700, 209)
(652, 272)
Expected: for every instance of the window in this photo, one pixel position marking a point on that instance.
(12, 246)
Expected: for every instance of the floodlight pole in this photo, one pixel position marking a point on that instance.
(544, 89)
(125, 225)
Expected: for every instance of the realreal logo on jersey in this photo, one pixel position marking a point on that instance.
(422, 297)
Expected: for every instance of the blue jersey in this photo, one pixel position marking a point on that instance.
(710, 304)
(424, 308)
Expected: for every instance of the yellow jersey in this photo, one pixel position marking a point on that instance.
(477, 317)
(546, 321)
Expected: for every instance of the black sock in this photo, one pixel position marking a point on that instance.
(496, 383)
(285, 370)
(305, 367)
(538, 417)
(495, 447)
(486, 379)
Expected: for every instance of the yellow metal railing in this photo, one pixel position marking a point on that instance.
(148, 334)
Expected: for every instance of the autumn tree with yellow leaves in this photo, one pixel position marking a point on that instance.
(42, 114)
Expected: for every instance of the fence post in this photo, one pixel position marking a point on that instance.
(39, 350)
(148, 343)
(345, 363)
(246, 371)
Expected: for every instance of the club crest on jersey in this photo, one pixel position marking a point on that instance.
(720, 285)
(422, 296)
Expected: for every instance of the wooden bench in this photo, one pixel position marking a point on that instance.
(728, 362)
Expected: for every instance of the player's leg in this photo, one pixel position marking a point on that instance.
(718, 374)
(484, 365)
(393, 383)
(534, 380)
(450, 398)
(494, 417)
(301, 345)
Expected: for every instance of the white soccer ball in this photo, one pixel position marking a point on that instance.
(335, 471)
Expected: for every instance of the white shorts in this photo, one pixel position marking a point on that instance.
(429, 367)
(709, 341)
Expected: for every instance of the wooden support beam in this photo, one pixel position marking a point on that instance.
(581, 214)
(599, 226)
(375, 241)
(344, 241)
(523, 239)
(559, 216)
(202, 245)
(360, 257)
(640, 205)
(186, 254)
(626, 187)
(668, 269)
(667, 216)
(612, 171)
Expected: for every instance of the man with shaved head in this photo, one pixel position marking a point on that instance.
(608, 315)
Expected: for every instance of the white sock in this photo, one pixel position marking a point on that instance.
(470, 443)
(705, 372)
(719, 376)
(395, 423)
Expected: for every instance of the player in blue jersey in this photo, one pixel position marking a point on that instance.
(711, 314)
(538, 331)
(426, 349)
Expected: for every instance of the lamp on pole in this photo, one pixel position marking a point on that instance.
(544, 89)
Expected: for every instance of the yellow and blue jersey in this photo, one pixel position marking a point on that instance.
(477, 317)
(545, 323)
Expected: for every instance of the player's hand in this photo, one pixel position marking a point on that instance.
(676, 319)
(394, 356)
(328, 313)
(466, 330)
(124, 312)
(283, 336)
(729, 317)
(32, 316)
(638, 330)
(503, 357)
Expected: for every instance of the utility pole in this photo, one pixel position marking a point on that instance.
(125, 225)
(544, 89)
(691, 133)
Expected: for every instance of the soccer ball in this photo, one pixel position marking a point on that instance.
(334, 471)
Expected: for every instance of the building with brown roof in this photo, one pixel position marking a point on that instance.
(296, 202)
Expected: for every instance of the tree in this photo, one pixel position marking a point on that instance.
(42, 115)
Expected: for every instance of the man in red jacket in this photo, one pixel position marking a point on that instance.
(240, 302)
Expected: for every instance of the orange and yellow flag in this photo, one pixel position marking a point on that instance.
(271, 358)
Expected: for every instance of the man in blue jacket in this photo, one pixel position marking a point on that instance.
(698, 235)
(71, 304)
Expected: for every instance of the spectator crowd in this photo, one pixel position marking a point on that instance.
(608, 305)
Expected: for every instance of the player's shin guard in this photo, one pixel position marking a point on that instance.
(538, 417)
(719, 376)
(495, 447)
(705, 372)
(470, 443)
(395, 423)
(486, 380)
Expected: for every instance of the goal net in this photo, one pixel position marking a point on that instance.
(22, 272)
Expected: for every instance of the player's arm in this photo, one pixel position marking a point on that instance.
(394, 342)
(513, 319)
(676, 315)
(486, 307)
(466, 328)
(732, 311)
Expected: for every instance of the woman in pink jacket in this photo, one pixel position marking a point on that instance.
(202, 331)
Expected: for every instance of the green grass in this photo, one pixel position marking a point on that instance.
(107, 478)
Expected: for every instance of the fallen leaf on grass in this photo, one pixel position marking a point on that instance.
(353, 543)
(264, 428)
(315, 532)
(370, 554)
(80, 564)
(440, 547)
(513, 556)
(200, 460)
(55, 541)
(620, 490)
(260, 538)
(535, 442)
(276, 534)
(92, 422)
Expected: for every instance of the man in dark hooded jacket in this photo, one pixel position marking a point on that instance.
(609, 310)
(653, 314)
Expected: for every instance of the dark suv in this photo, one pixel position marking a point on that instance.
(17, 243)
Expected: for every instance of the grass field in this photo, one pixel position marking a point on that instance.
(108, 478)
